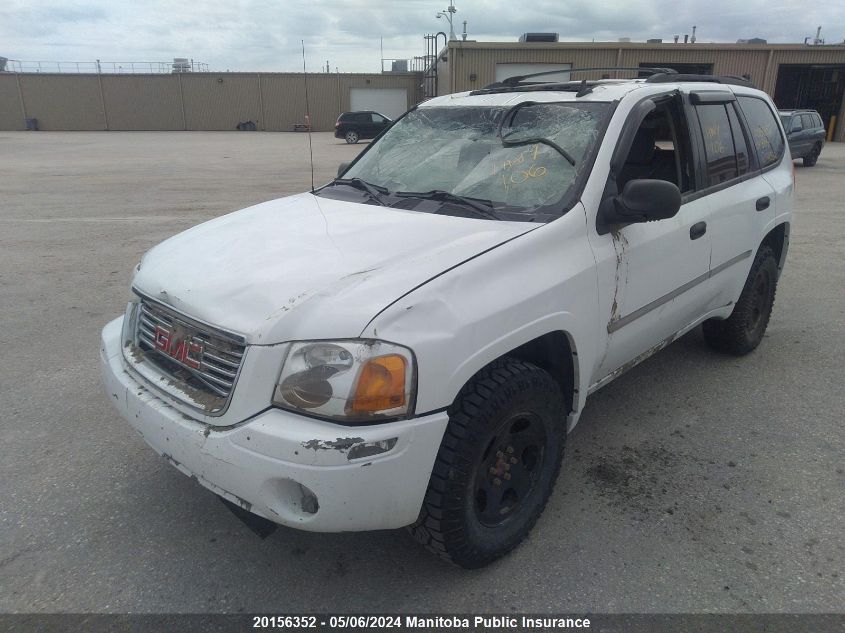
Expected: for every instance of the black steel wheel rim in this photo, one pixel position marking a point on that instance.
(510, 469)
(760, 300)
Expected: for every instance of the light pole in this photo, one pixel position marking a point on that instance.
(449, 13)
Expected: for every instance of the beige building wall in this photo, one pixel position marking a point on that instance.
(143, 102)
(220, 102)
(63, 102)
(187, 101)
(11, 112)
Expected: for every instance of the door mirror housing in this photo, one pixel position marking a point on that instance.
(642, 200)
(341, 169)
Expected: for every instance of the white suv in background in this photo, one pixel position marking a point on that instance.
(410, 344)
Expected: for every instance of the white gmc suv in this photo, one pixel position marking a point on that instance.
(410, 344)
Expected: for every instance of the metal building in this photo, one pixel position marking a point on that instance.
(795, 75)
(197, 100)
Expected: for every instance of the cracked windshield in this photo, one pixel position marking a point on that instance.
(506, 162)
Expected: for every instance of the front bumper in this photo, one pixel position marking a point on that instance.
(290, 469)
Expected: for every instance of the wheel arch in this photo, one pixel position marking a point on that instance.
(556, 353)
(778, 240)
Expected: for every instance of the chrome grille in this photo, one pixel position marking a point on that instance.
(199, 358)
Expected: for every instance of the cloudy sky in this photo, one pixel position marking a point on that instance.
(266, 34)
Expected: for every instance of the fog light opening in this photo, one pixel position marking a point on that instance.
(308, 502)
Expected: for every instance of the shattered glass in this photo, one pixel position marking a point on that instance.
(460, 150)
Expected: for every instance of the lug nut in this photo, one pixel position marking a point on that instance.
(497, 481)
(507, 476)
(507, 466)
(510, 449)
(513, 460)
(499, 454)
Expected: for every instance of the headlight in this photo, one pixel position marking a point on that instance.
(351, 380)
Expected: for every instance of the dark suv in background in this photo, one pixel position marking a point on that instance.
(353, 126)
(805, 133)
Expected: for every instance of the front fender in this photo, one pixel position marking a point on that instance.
(466, 318)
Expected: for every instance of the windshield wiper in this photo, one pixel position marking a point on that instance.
(484, 208)
(375, 191)
(508, 118)
(534, 141)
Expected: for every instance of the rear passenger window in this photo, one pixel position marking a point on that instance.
(818, 120)
(764, 130)
(808, 121)
(743, 163)
(718, 143)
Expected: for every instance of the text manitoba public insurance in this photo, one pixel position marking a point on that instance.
(496, 622)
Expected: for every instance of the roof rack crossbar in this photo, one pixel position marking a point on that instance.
(563, 86)
(517, 79)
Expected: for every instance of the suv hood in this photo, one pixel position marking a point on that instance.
(308, 267)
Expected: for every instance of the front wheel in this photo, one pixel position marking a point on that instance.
(742, 332)
(352, 137)
(497, 464)
(813, 157)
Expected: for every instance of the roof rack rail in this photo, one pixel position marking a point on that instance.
(659, 78)
(576, 85)
(520, 79)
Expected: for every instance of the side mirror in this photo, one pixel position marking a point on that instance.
(342, 168)
(643, 201)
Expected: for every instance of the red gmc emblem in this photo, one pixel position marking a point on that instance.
(182, 348)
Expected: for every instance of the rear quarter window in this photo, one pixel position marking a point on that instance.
(764, 130)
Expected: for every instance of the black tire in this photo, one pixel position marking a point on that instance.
(813, 157)
(742, 332)
(352, 136)
(508, 424)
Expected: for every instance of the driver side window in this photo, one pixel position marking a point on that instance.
(660, 149)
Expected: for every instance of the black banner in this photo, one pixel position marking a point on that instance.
(597, 623)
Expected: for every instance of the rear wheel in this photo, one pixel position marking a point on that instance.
(742, 332)
(352, 137)
(497, 464)
(813, 157)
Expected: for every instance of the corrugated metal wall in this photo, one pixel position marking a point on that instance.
(11, 114)
(188, 101)
(63, 102)
(479, 59)
(220, 102)
(143, 102)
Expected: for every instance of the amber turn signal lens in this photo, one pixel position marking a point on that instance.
(381, 385)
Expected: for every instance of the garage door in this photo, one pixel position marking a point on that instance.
(391, 102)
(503, 71)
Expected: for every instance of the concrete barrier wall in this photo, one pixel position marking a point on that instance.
(188, 101)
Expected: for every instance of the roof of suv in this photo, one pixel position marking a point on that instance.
(601, 90)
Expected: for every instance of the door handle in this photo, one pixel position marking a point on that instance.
(763, 203)
(697, 230)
